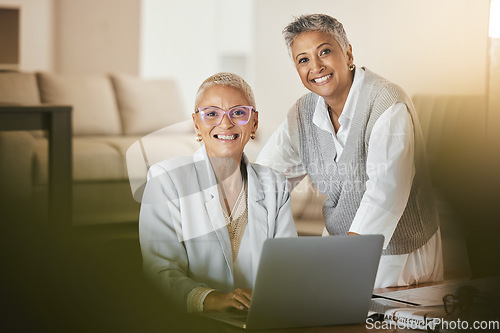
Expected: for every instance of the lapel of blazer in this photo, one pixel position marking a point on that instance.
(257, 215)
(213, 207)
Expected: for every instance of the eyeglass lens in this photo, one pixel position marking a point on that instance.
(238, 115)
(450, 303)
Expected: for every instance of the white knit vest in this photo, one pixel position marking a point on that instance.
(344, 182)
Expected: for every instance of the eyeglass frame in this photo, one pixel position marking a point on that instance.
(463, 298)
(450, 303)
(200, 110)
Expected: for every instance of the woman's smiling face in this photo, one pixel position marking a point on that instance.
(225, 139)
(322, 65)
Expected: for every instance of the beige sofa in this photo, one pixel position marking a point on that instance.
(110, 113)
(121, 125)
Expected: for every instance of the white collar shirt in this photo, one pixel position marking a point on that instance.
(321, 117)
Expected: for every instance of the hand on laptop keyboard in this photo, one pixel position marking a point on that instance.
(239, 299)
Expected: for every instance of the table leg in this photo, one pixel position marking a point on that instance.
(60, 170)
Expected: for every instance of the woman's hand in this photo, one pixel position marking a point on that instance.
(239, 299)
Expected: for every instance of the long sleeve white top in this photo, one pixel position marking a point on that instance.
(390, 170)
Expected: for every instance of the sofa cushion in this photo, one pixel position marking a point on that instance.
(147, 105)
(92, 97)
(119, 143)
(19, 88)
(98, 203)
(94, 160)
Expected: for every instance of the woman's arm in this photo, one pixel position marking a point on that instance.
(390, 169)
(165, 259)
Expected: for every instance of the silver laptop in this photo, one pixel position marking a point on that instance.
(311, 281)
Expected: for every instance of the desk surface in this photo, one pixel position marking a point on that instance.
(220, 327)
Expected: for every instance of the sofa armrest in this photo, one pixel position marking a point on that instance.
(16, 156)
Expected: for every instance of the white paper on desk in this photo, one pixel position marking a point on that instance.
(425, 296)
(433, 295)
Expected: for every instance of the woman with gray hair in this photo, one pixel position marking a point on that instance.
(358, 137)
(204, 218)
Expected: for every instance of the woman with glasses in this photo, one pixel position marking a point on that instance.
(204, 217)
(358, 137)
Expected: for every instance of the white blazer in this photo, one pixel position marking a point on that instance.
(183, 234)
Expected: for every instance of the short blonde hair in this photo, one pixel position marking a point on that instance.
(229, 80)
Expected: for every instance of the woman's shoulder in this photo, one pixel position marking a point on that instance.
(303, 107)
(307, 101)
(383, 86)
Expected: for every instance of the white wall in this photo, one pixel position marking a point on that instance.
(97, 36)
(178, 41)
(37, 42)
(426, 46)
(184, 40)
(494, 77)
(190, 40)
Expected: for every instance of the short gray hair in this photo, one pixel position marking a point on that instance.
(228, 80)
(316, 22)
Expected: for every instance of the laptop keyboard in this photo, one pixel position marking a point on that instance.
(242, 317)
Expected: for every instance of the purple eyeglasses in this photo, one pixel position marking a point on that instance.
(238, 115)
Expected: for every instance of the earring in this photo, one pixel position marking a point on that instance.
(198, 137)
(252, 136)
(351, 68)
